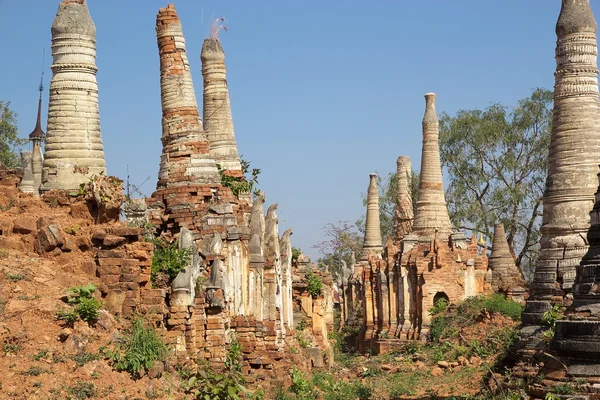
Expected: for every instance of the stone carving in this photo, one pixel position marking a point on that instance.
(404, 213)
(285, 246)
(431, 212)
(218, 122)
(74, 151)
(372, 240)
(27, 183)
(184, 285)
(571, 180)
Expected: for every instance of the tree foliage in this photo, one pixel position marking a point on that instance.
(388, 190)
(8, 136)
(342, 239)
(496, 161)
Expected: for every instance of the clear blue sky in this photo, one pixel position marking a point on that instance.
(323, 91)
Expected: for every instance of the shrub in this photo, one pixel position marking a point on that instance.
(313, 284)
(82, 390)
(300, 386)
(168, 260)
(206, 384)
(242, 184)
(440, 306)
(142, 347)
(549, 320)
(86, 306)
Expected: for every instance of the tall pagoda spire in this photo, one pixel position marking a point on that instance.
(572, 160)
(37, 137)
(74, 151)
(218, 122)
(372, 240)
(431, 211)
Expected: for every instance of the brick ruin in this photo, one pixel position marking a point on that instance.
(241, 283)
(426, 260)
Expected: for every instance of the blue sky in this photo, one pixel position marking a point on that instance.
(323, 92)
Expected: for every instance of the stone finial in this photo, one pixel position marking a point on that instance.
(404, 205)
(74, 149)
(574, 154)
(27, 183)
(186, 157)
(372, 240)
(218, 122)
(431, 211)
(575, 17)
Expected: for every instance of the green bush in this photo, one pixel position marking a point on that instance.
(141, 348)
(168, 261)
(207, 384)
(440, 306)
(314, 285)
(85, 305)
(301, 386)
(82, 390)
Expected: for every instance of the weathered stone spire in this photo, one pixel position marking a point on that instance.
(505, 274)
(36, 137)
(431, 213)
(573, 158)
(404, 205)
(372, 241)
(218, 122)
(74, 150)
(185, 158)
(27, 184)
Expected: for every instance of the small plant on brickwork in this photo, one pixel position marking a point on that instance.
(301, 324)
(314, 285)
(295, 254)
(549, 320)
(168, 261)
(303, 341)
(140, 349)
(241, 184)
(3, 253)
(439, 307)
(207, 384)
(86, 306)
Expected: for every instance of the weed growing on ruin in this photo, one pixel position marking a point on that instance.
(34, 371)
(440, 306)
(15, 277)
(242, 184)
(549, 320)
(82, 390)
(40, 355)
(314, 285)
(301, 386)
(295, 254)
(301, 325)
(3, 253)
(140, 349)
(84, 358)
(281, 394)
(85, 305)
(207, 384)
(303, 341)
(168, 261)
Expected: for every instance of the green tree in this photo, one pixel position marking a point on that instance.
(342, 239)
(388, 189)
(8, 136)
(496, 161)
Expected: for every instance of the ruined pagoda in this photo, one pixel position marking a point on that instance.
(372, 238)
(218, 122)
(572, 162)
(404, 213)
(431, 213)
(74, 151)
